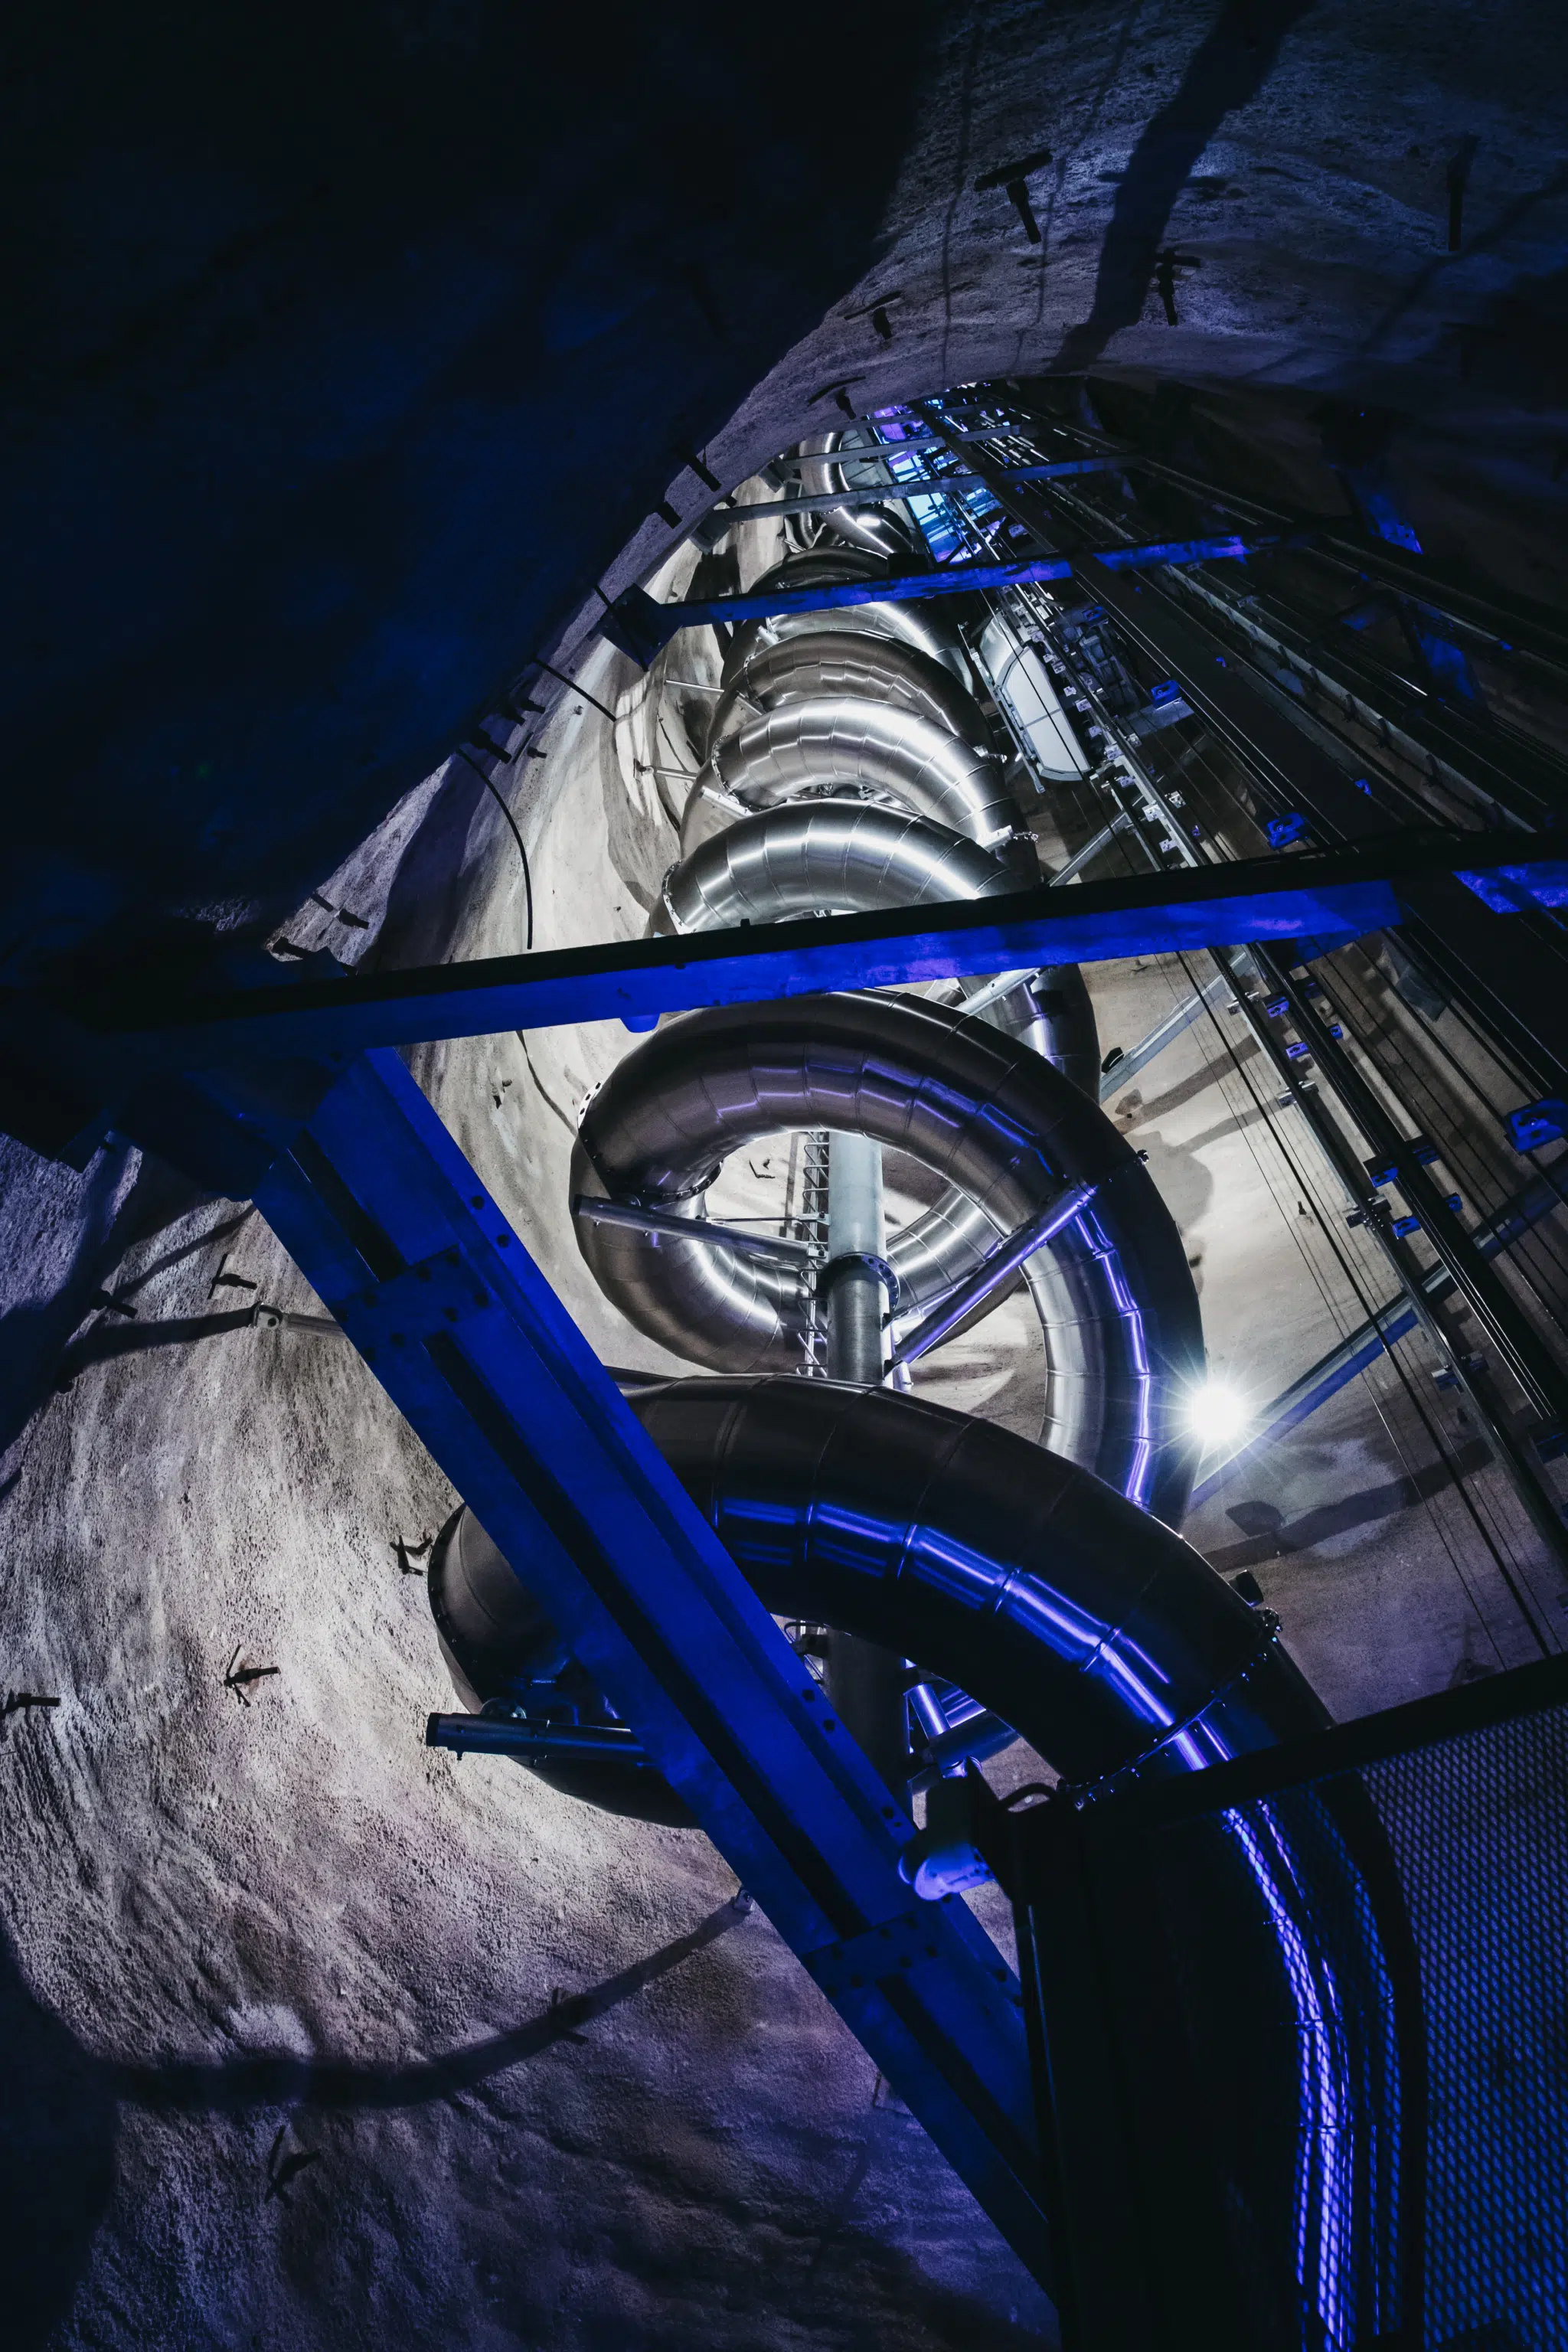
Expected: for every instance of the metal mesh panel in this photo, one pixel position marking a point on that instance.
(1333, 1944)
(1479, 1830)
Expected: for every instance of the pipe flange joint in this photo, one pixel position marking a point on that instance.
(837, 1267)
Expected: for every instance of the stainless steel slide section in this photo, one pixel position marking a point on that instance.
(867, 527)
(1102, 1639)
(826, 663)
(1118, 1653)
(813, 857)
(844, 744)
(986, 1116)
(923, 626)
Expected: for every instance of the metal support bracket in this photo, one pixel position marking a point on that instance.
(908, 1941)
(430, 1297)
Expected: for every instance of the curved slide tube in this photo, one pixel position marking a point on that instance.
(813, 857)
(843, 742)
(924, 626)
(826, 664)
(1052, 1012)
(872, 527)
(1117, 1652)
(983, 1114)
(844, 856)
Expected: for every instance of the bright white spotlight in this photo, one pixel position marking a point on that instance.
(1216, 1411)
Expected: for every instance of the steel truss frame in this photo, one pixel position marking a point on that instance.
(290, 1093)
(270, 1092)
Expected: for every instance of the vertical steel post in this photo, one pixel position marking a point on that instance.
(865, 1681)
(857, 1237)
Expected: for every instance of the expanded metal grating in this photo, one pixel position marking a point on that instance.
(1302, 2037)
(1478, 1826)
(1413, 1923)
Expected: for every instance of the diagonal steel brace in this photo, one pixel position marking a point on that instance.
(518, 1411)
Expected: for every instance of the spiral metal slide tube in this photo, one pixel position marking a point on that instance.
(845, 743)
(881, 533)
(800, 741)
(828, 663)
(925, 628)
(1041, 1582)
(1115, 1650)
(981, 1113)
(803, 853)
(849, 856)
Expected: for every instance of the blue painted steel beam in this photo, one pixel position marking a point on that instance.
(383, 1213)
(1329, 895)
(642, 628)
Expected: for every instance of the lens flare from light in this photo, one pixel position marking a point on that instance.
(1216, 1412)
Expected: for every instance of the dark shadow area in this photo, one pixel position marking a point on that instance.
(1482, 241)
(107, 1341)
(1181, 1179)
(1227, 70)
(429, 888)
(222, 1231)
(334, 414)
(1268, 1536)
(275, 2079)
(853, 2273)
(34, 1336)
(56, 2160)
(57, 2144)
(1186, 1090)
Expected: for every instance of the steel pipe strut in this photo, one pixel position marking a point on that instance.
(979, 1736)
(1002, 1261)
(844, 854)
(1116, 1298)
(851, 1283)
(1133, 1063)
(776, 1247)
